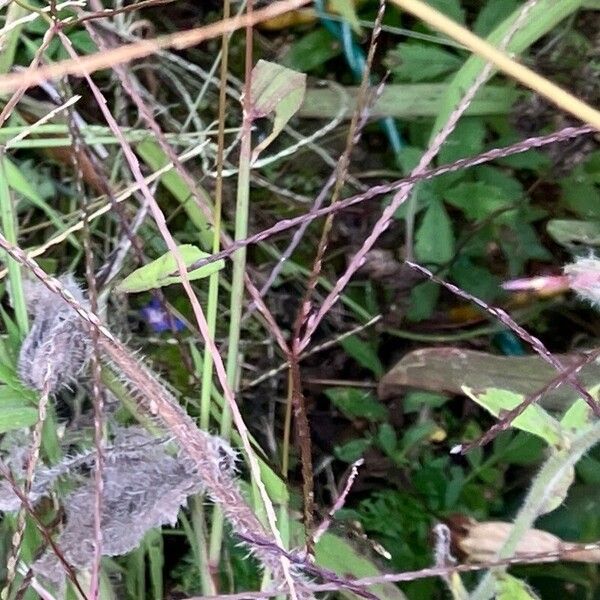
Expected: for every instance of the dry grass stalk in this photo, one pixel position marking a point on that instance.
(128, 52)
(155, 400)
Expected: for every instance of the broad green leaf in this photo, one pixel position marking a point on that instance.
(9, 377)
(409, 158)
(352, 450)
(511, 588)
(423, 195)
(15, 415)
(311, 51)
(155, 158)
(363, 353)
(543, 16)
(581, 196)
(434, 240)
(387, 438)
(475, 279)
(466, 140)
(569, 232)
(416, 61)
(356, 403)
(423, 298)
(478, 200)
(415, 400)
(339, 555)
(277, 91)
(523, 449)
(535, 160)
(82, 42)
(492, 14)
(520, 243)
(159, 272)
(9, 395)
(414, 435)
(534, 419)
(579, 413)
(501, 179)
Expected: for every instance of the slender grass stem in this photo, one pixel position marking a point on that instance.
(214, 547)
(236, 306)
(9, 228)
(502, 61)
(14, 13)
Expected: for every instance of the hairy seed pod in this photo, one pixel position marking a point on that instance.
(58, 345)
(144, 486)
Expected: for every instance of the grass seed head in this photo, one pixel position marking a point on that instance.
(58, 346)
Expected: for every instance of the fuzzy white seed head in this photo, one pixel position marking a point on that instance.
(584, 278)
(58, 345)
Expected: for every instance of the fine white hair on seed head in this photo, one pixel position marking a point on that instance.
(58, 346)
(584, 278)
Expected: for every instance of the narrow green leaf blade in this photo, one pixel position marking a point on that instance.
(159, 272)
(14, 414)
(569, 232)
(363, 353)
(20, 184)
(542, 17)
(416, 62)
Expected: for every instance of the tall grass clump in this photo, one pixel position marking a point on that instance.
(287, 288)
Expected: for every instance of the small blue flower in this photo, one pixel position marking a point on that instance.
(159, 319)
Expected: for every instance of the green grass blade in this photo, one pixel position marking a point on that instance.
(9, 45)
(9, 229)
(408, 101)
(543, 17)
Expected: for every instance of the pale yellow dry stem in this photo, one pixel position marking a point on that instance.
(502, 61)
(124, 195)
(128, 52)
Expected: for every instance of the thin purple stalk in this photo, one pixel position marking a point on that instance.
(26, 504)
(502, 316)
(401, 195)
(364, 582)
(496, 153)
(340, 501)
(197, 309)
(509, 416)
